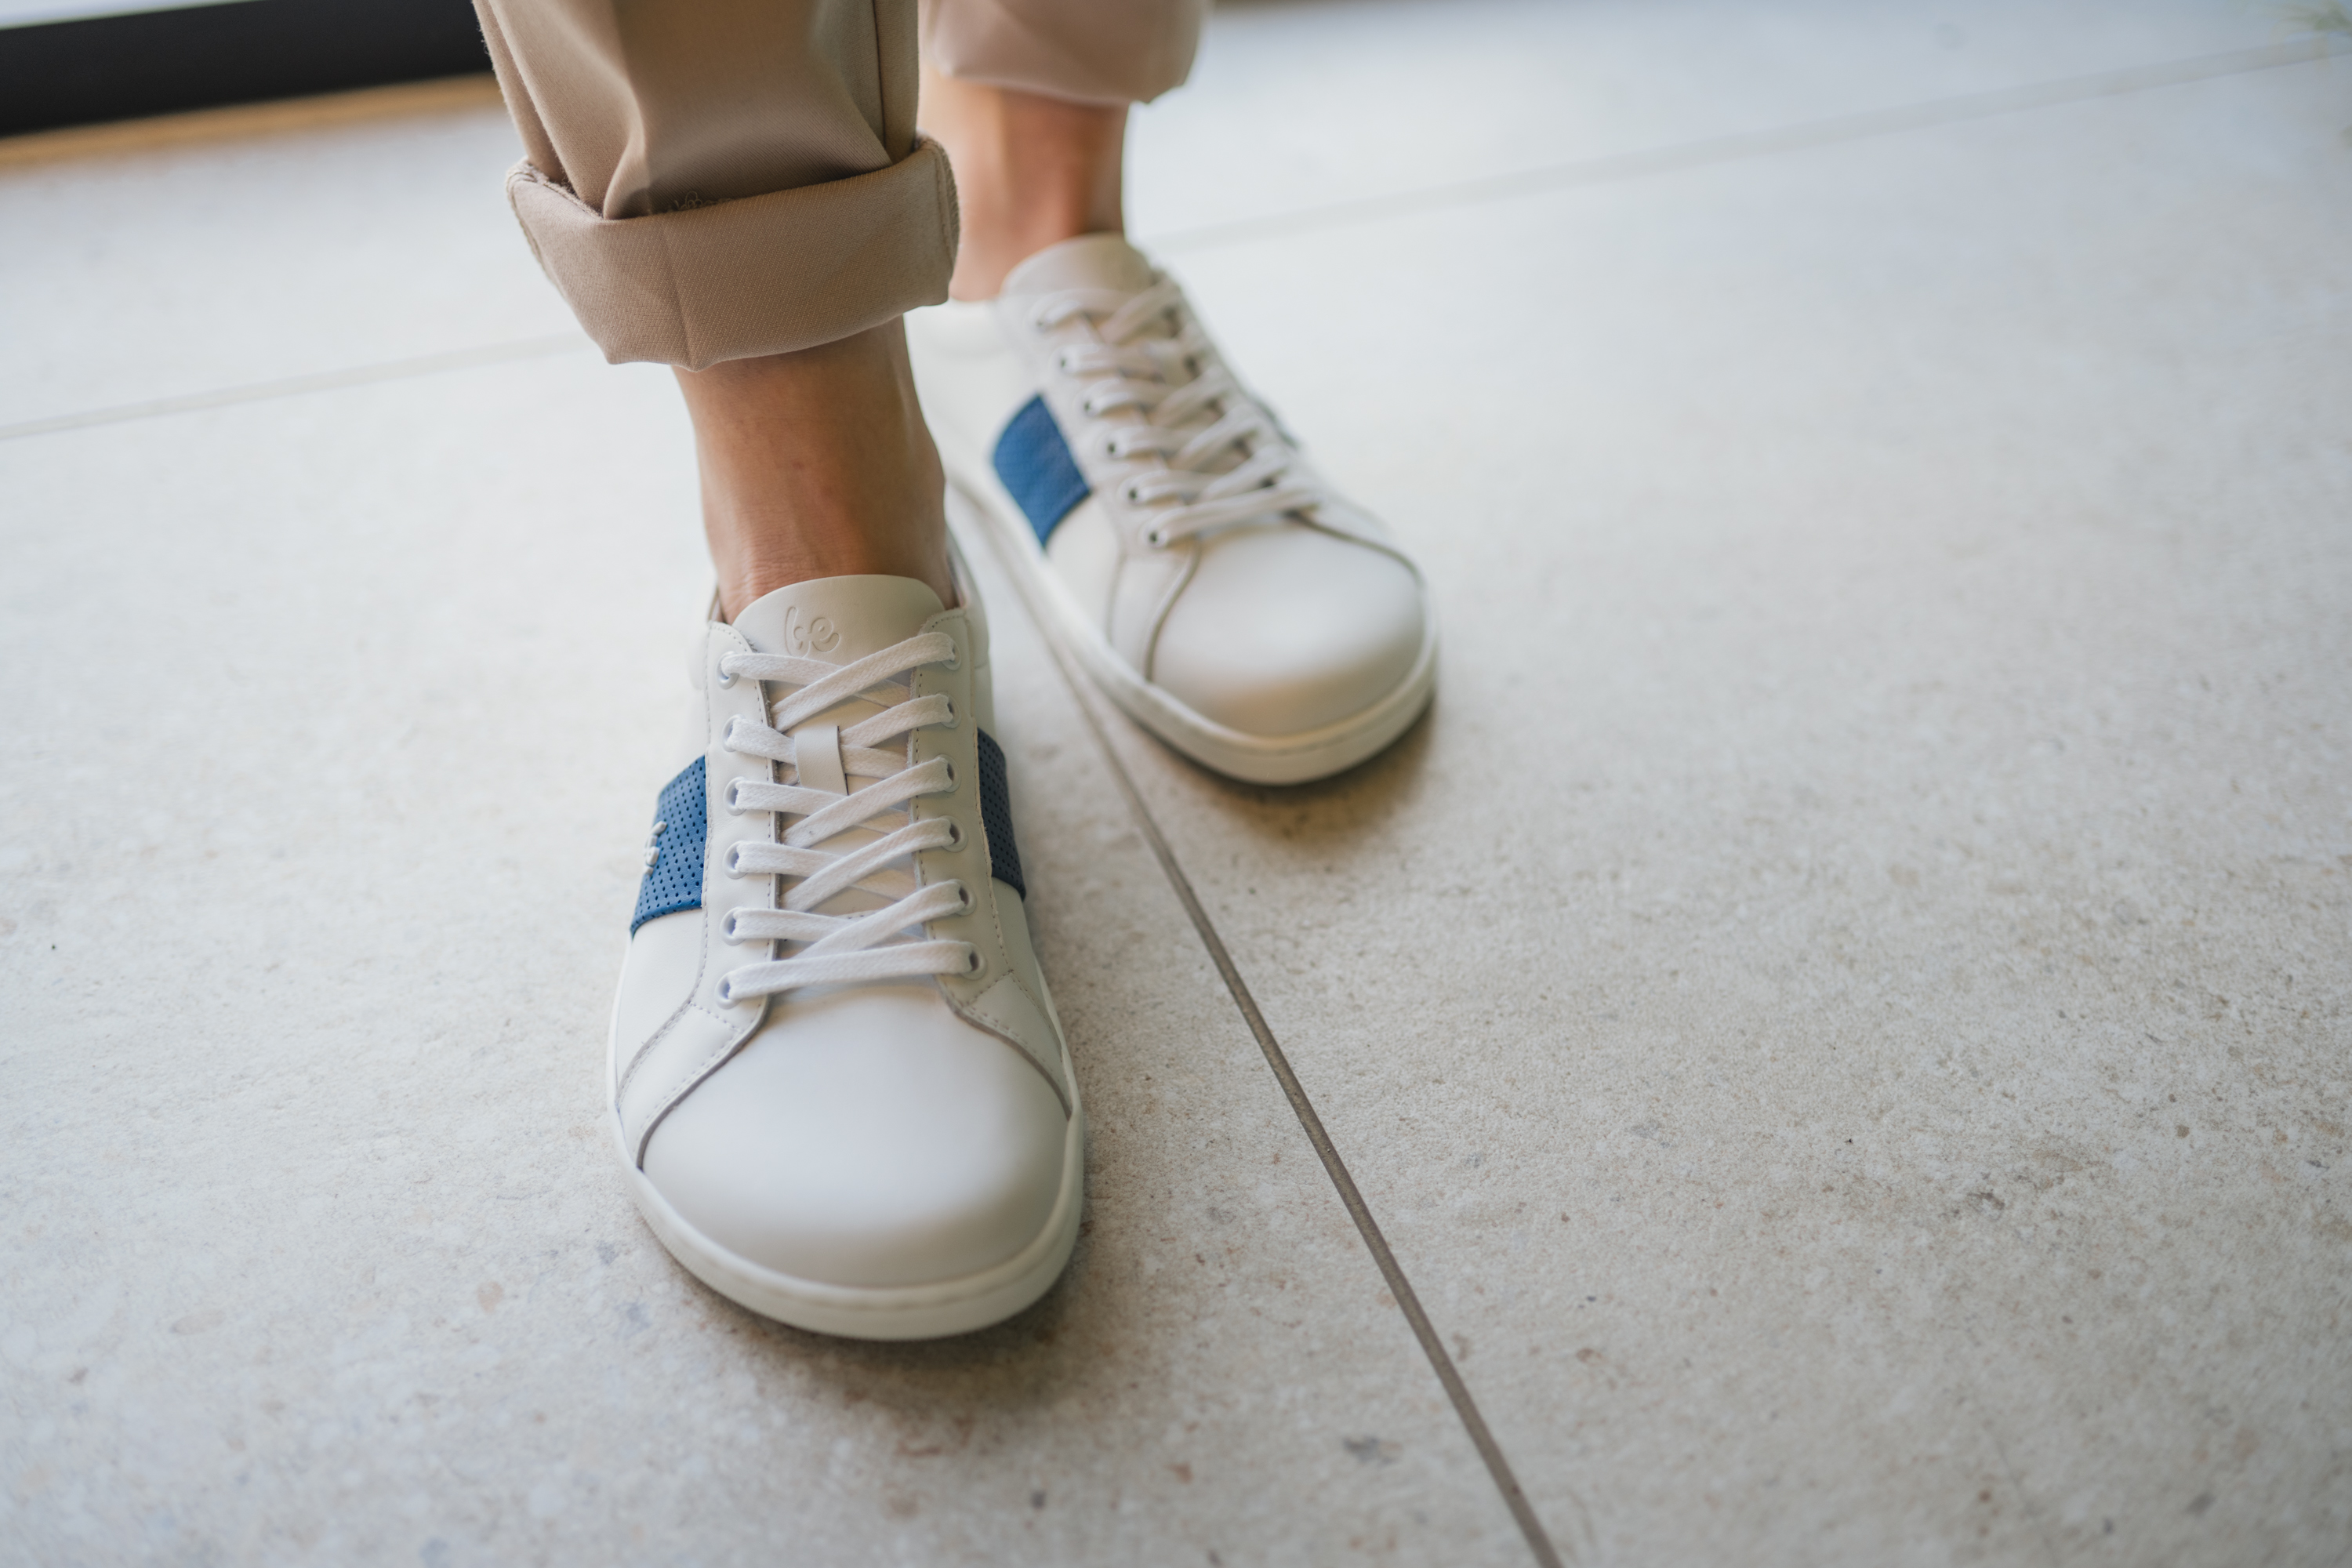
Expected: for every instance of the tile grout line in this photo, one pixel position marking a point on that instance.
(1392, 1273)
(1611, 169)
(296, 385)
(1614, 168)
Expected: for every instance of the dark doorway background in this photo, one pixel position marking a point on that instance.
(93, 69)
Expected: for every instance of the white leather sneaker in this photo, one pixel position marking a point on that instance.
(838, 1084)
(1222, 593)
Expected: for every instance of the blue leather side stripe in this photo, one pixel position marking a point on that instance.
(996, 817)
(1033, 461)
(673, 857)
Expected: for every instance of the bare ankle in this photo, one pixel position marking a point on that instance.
(817, 464)
(1031, 171)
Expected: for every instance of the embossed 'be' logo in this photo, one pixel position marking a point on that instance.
(819, 636)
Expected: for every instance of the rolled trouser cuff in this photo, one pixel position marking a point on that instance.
(1085, 51)
(764, 275)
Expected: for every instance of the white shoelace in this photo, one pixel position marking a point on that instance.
(884, 943)
(1210, 456)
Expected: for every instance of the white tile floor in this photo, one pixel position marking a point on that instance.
(1841, 1012)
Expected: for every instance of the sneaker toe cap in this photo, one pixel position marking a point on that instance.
(869, 1139)
(1286, 630)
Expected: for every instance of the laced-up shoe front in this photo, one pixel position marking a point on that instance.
(1217, 586)
(838, 1083)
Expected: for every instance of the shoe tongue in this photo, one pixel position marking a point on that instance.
(1089, 261)
(837, 619)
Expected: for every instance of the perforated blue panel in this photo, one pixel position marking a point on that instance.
(1033, 461)
(996, 817)
(674, 876)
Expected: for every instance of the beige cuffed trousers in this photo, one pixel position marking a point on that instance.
(708, 180)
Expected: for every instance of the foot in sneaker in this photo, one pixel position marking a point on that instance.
(838, 1084)
(1218, 589)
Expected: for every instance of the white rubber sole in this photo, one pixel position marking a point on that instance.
(895, 1312)
(1253, 759)
(928, 1311)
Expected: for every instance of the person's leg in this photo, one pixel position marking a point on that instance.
(839, 1090)
(736, 188)
(1031, 171)
(1030, 99)
(817, 464)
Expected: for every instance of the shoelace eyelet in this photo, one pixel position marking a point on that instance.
(729, 863)
(952, 776)
(970, 903)
(727, 798)
(955, 834)
(950, 721)
(1157, 540)
(976, 965)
